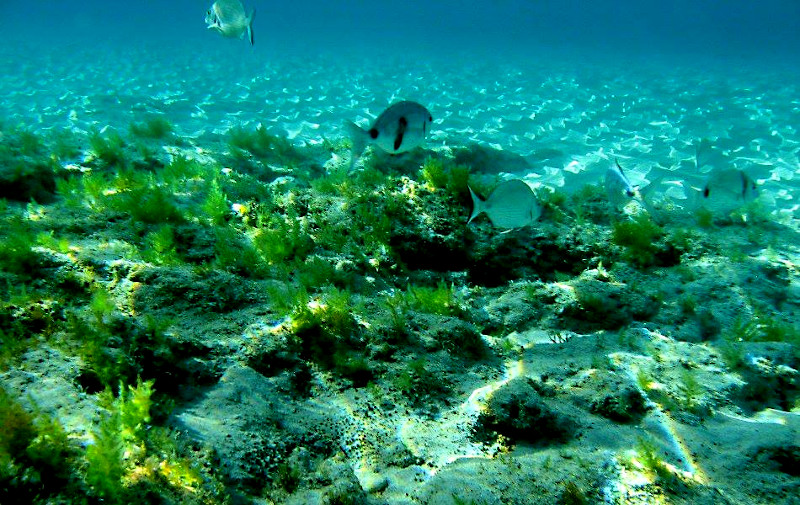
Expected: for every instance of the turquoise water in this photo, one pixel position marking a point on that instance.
(204, 301)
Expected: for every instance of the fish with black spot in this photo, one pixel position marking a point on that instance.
(400, 128)
(725, 190)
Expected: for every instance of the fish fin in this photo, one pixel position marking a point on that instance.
(250, 27)
(645, 194)
(360, 139)
(402, 123)
(477, 205)
(628, 187)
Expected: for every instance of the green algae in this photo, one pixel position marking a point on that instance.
(441, 300)
(36, 456)
(17, 254)
(129, 457)
(259, 152)
(329, 242)
(160, 246)
(154, 127)
(27, 171)
(441, 173)
(108, 148)
(638, 237)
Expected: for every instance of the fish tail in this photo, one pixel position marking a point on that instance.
(250, 26)
(359, 137)
(477, 205)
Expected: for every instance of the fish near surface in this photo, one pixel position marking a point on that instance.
(229, 19)
(400, 128)
(512, 204)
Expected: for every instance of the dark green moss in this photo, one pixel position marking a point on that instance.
(258, 151)
(35, 454)
(151, 204)
(108, 148)
(17, 255)
(155, 127)
(441, 300)
(638, 237)
(27, 172)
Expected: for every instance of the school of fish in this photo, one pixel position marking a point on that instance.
(512, 204)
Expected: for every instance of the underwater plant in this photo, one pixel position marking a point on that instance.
(64, 144)
(433, 173)
(27, 171)
(638, 237)
(331, 313)
(268, 150)
(154, 127)
(573, 495)
(688, 304)
(109, 149)
(441, 300)
(215, 206)
(160, 247)
(181, 169)
(281, 238)
(118, 439)
(17, 255)
(237, 253)
(35, 453)
(149, 204)
(647, 455)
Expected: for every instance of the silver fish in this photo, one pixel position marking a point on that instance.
(725, 190)
(400, 128)
(229, 19)
(618, 187)
(512, 204)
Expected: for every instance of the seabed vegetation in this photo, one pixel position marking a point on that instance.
(177, 322)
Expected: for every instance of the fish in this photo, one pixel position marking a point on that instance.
(618, 187)
(725, 190)
(512, 204)
(400, 128)
(229, 19)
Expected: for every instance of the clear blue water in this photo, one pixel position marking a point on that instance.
(567, 86)
(689, 28)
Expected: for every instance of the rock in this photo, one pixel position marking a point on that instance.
(624, 406)
(518, 412)
(374, 483)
